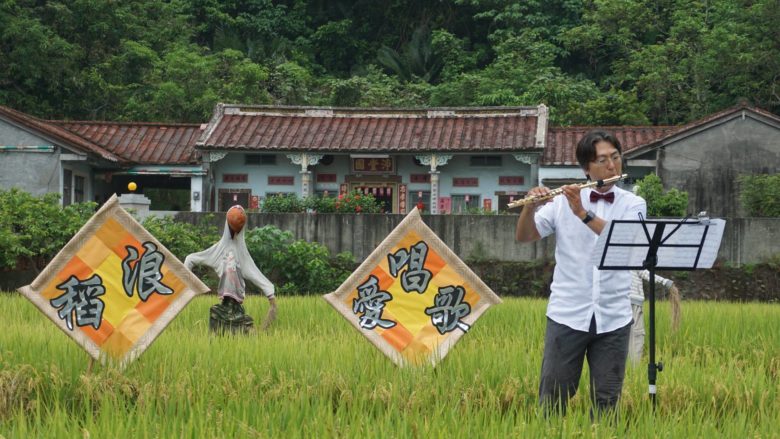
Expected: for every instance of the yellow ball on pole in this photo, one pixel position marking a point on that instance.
(132, 186)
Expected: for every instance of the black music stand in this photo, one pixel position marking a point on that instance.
(681, 245)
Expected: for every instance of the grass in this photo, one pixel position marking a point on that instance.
(313, 375)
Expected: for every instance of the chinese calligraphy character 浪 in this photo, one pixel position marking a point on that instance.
(416, 277)
(80, 298)
(448, 309)
(145, 276)
(371, 302)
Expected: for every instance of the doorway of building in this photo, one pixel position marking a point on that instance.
(385, 193)
(230, 197)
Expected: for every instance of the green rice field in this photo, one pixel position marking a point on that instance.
(314, 375)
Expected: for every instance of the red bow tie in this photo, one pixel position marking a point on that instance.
(609, 197)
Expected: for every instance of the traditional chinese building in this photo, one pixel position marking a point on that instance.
(451, 159)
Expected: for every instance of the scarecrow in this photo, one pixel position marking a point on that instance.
(230, 259)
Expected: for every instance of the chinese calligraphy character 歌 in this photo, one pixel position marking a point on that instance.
(371, 302)
(448, 309)
(145, 276)
(80, 298)
(416, 277)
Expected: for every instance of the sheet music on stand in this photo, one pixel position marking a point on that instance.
(694, 245)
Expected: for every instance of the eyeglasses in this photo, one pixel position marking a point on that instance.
(615, 159)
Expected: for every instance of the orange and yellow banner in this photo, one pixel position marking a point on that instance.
(413, 298)
(113, 288)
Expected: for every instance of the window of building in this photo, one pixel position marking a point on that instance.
(260, 159)
(74, 187)
(415, 197)
(67, 187)
(462, 203)
(485, 160)
(79, 182)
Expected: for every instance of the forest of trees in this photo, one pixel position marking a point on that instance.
(591, 61)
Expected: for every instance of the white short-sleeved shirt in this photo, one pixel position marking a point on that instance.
(579, 290)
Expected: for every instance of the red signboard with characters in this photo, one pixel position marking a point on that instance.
(281, 180)
(445, 205)
(235, 178)
(420, 178)
(515, 180)
(373, 165)
(465, 181)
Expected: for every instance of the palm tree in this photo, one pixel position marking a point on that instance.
(417, 60)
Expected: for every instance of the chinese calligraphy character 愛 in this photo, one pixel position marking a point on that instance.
(448, 309)
(145, 276)
(371, 302)
(416, 277)
(80, 298)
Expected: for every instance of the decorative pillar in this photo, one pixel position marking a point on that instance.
(210, 188)
(434, 160)
(434, 192)
(305, 160)
(305, 183)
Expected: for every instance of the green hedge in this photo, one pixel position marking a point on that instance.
(659, 203)
(297, 267)
(33, 229)
(354, 202)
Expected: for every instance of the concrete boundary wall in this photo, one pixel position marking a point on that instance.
(486, 237)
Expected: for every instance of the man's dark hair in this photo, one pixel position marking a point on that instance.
(586, 147)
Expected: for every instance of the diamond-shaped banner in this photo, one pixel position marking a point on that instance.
(412, 297)
(113, 288)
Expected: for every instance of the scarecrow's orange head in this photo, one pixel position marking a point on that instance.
(236, 219)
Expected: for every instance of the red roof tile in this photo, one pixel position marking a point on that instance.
(59, 134)
(141, 143)
(562, 141)
(367, 130)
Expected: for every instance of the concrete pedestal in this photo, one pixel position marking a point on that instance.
(137, 203)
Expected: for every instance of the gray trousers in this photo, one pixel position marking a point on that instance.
(564, 352)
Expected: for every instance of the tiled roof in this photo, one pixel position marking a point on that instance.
(67, 138)
(562, 141)
(368, 130)
(141, 143)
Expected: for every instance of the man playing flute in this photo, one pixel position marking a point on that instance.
(589, 311)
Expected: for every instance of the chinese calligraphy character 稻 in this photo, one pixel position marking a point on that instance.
(80, 298)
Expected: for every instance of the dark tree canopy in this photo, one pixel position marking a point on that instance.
(591, 62)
